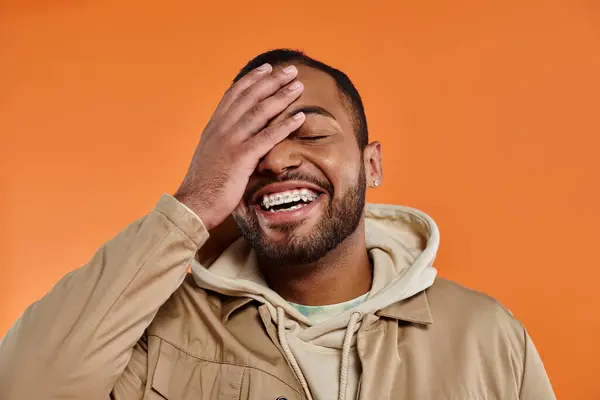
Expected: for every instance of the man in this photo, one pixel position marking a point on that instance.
(321, 297)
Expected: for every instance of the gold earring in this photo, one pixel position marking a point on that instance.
(376, 183)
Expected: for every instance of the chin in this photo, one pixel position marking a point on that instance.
(284, 234)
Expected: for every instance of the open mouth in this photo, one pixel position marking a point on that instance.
(289, 200)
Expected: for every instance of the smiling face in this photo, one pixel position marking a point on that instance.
(308, 193)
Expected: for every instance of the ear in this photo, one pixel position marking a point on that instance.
(373, 164)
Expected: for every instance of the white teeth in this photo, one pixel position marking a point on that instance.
(289, 196)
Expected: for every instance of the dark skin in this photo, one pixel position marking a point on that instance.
(321, 144)
(324, 147)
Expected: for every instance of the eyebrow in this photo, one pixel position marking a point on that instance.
(314, 110)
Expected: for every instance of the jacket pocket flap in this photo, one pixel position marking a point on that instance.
(180, 376)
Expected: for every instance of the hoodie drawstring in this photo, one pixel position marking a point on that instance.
(346, 354)
(288, 352)
(346, 347)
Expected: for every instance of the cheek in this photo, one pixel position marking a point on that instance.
(340, 167)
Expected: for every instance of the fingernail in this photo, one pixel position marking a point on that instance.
(290, 69)
(264, 67)
(298, 115)
(295, 86)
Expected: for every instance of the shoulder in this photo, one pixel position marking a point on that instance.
(447, 291)
(446, 296)
(473, 314)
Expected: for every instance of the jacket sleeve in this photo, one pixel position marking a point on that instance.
(76, 341)
(535, 384)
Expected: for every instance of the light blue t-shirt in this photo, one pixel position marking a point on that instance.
(318, 314)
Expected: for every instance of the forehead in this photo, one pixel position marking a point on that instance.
(321, 90)
(318, 85)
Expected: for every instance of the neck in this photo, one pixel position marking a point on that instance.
(343, 274)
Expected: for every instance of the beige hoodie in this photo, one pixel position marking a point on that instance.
(402, 243)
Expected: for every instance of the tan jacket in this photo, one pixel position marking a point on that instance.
(125, 327)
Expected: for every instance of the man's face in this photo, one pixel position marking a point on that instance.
(308, 193)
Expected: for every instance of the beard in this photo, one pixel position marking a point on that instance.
(340, 219)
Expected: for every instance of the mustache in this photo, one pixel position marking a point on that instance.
(290, 176)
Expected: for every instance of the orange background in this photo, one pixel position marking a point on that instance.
(488, 114)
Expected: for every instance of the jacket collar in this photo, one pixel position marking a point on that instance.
(414, 309)
(231, 304)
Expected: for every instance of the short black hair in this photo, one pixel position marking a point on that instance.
(348, 91)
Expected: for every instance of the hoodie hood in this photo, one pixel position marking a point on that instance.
(402, 242)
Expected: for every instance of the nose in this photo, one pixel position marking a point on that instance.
(280, 159)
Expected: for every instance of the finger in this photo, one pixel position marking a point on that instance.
(253, 94)
(242, 84)
(261, 143)
(259, 115)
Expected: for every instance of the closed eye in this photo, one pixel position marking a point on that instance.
(312, 138)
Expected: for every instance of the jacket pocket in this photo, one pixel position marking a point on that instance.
(258, 384)
(180, 376)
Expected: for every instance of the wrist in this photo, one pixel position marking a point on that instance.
(194, 206)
